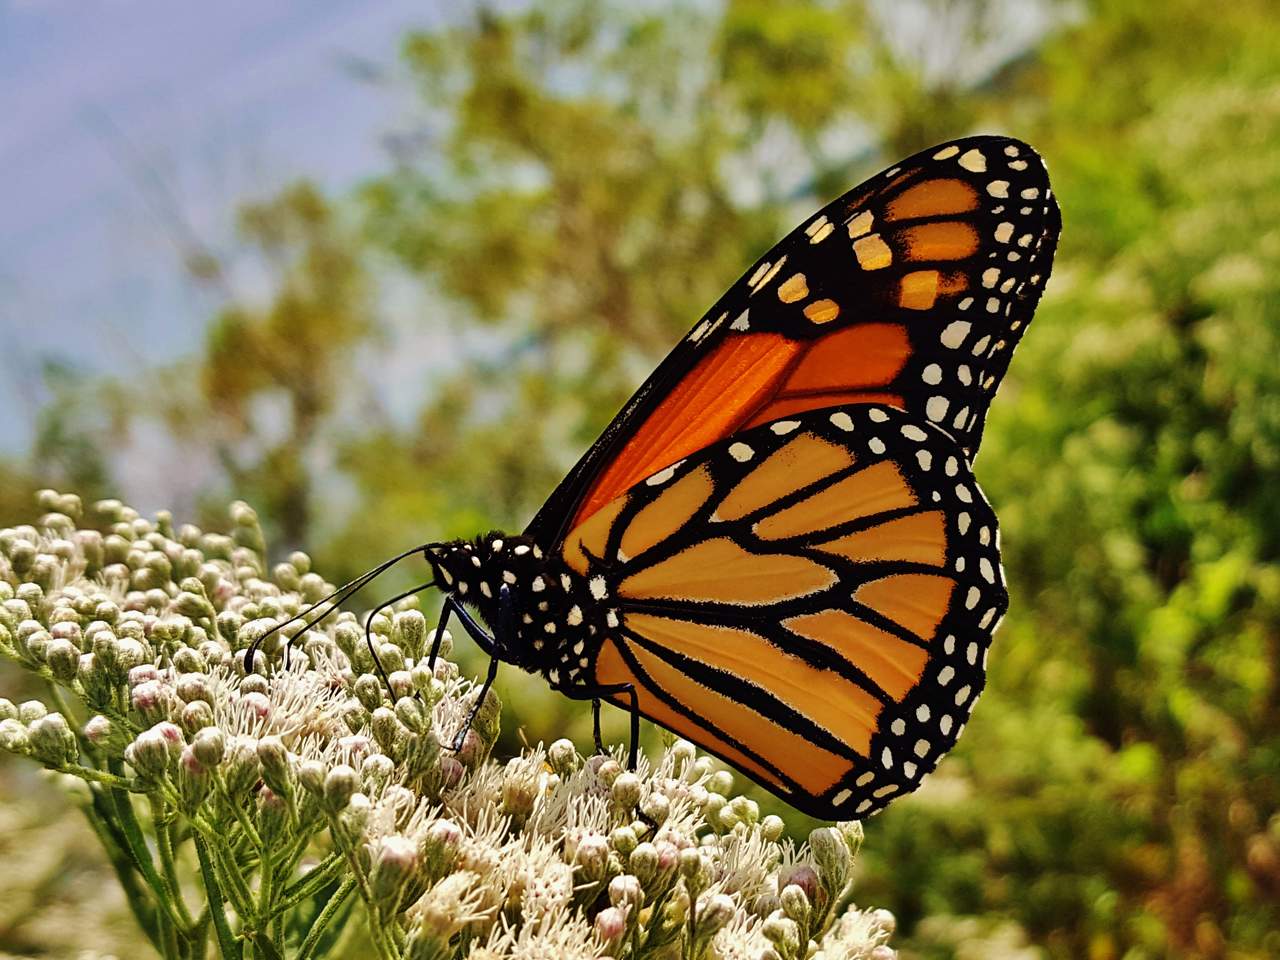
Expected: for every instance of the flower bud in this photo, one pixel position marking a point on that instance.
(656, 807)
(188, 661)
(209, 746)
(783, 933)
(391, 658)
(623, 840)
(626, 791)
(611, 924)
(149, 755)
(626, 891)
(63, 659)
(37, 642)
(853, 835)
(340, 785)
(273, 758)
(643, 863)
(400, 683)
(690, 863)
(311, 774)
(354, 818)
(196, 715)
(831, 854)
(255, 683)
(32, 710)
(286, 574)
(713, 913)
(413, 714)
(386, 729)
(592, 857)
(883, 953)
(52, 742)
(369, 692)
(93, 678)
(608, 771)
(803, 876)
(562, 757)
(194, 782)
(14, 736)
(772, 828)
(410, 633)
(194, 686)
(883, 921)
(395, 859)
(440, 846)
(8, 709)
(241, 767)
(795, 905)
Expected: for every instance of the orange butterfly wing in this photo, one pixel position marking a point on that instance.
(911, 290)
(811, 600)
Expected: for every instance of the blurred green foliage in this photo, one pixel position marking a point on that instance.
(597, 174)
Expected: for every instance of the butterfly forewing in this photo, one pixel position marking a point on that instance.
(811, 599)
(910, 291)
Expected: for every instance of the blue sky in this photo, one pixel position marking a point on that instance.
(120, 118)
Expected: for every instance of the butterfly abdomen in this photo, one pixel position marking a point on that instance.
(555, 623)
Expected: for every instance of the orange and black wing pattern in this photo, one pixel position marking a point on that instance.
(811, 600)
(910, 291)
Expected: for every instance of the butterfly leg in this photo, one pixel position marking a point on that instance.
(595, 724)
(493, 646)
(595, 693)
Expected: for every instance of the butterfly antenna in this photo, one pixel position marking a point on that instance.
(339, 596)
(368, 627)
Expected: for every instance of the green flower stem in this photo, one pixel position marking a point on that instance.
(60, 704)
(213, 893)
(164, 845)
(312, 883)
(98, 776)
(100, 817)
(169, 939)
(236, 888)
(137, 846)
(326, 915)
(377, 929)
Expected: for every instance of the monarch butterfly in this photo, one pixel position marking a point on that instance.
(778, 549)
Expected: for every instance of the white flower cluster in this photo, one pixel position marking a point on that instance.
(280, 784)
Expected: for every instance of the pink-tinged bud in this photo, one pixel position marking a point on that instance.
(472, 752)
(194, 781)
(625, 791)
(668, 856)
(375, 772)
(273, 758)
(884, 953)
(273, 814)
(611, 924)
(656, 807)
(149, 755)
(142, 673)
(626, 891)
(643, 862)
(440, 846)
(401, 683)
(196, 715)
(802, 875)
(194, 686)
(240, 763)
(833, 859)
(67, 630)
(395, 860)
(609, 771)
(209, 746)
(254, 705)
(592, 857)
(99, 730)
(451, 772)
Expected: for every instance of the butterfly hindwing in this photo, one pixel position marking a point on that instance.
(811, 599)
(911, 291)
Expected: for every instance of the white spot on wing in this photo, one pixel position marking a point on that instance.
(946, 153)
(936, 408)
(741, 322)
(912, 432)
(955, 332)
(932, 374)
(741, 452)
(974, 161)
(662, 476)
(842, 420)
(783, 427)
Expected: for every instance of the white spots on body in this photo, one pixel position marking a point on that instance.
(462, 586)
(521, 550)
(508, 576)
(538, 584)
(484, 588)
(475, 561)
(549, 628)
(565, 582)
(741, 452)
(497, 546)
(573, 618)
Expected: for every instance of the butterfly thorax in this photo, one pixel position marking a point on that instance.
(554, 625)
